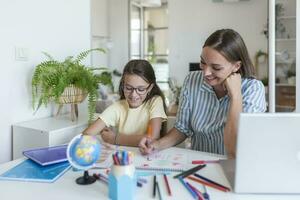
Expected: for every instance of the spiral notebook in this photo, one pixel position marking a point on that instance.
(163, 161)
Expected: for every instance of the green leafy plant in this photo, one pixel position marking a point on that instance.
(51, 77)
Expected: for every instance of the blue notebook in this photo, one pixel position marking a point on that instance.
(48, 155)
(31, 171)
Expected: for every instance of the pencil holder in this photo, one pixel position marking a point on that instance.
(122, 182)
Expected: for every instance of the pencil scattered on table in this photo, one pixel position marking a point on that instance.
(190, 190)
(207, 184)
(189, 171)
(198, 162)
(167, 185)
(158, 191)
(205, 193)
(101, 177)
(199, 194)
(210, 181)
(154, 187)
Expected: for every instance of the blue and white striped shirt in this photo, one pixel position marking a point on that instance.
(202, 116)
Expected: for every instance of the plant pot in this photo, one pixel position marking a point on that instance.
(72, 95)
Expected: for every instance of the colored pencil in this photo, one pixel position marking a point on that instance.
(154, 187)
(149, 138)
(158, 190)
(207, 184)
(167, 184)
(149, 131)
(190, 190)
(210, 181)
(205, 193)
(189, 171)
(200, 196)
(198, 162)
(98, 177)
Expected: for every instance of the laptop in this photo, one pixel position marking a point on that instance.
(268, 154)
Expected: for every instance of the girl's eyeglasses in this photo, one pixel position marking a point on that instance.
(139, 90)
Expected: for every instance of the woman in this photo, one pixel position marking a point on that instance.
(212, 98)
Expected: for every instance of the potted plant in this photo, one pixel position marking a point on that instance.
(68, 82)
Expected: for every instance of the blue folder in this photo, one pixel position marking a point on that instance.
(48, 155)
(28, 170)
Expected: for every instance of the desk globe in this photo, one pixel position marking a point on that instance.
(83, 152)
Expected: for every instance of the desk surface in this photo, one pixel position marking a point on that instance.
(65, 187)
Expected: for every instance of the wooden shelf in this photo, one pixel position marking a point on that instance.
(287, 17)
(285, 39)
(285, 85)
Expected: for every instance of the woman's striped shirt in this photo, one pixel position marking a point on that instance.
(202, 116)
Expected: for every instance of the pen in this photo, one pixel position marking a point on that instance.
(98, 177)
(207, 184)
(210, 181)
(205, 193)
(167, 184)
(158, 190)
(189, 171)
(154, 187)
(191, 191)
(199, 195)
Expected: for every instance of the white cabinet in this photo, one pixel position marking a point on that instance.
(45, 132)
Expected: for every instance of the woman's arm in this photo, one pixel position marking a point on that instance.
(134, 139)
(94, 128)
(233, 86)
(172, 138)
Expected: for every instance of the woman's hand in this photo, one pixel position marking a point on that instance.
(146, 146)
(108, 135)
(233, 85)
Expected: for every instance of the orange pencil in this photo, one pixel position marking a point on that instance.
(149, 131)
(149, 137)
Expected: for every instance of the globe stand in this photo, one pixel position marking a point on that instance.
(86, 179)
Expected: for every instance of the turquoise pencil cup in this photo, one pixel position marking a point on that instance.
(122, 182)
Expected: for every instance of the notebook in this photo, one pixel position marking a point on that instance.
(47, 155)
(28, 170)
(162, 161)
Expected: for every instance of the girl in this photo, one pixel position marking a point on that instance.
(141, 105)
(212, 98)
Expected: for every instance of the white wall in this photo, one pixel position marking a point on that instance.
(60, 28)
(192, 21)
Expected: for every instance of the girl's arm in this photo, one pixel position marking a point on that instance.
(233, 86)
(94, 128)
(132, 140)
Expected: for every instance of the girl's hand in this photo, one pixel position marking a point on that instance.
(233, 85)
(108, 135)
(146, 146)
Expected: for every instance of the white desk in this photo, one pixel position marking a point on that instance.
(65, 187)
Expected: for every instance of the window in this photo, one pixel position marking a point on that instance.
(149, 39)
